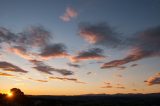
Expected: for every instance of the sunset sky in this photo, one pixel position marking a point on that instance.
(74, 47)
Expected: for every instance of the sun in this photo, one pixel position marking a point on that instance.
(9, 94)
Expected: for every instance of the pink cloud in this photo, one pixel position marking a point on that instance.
(69, 14)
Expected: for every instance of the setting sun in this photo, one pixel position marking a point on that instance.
(10, 94)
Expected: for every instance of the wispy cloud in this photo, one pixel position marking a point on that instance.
(73, 65)
(20, 51)
(6, 74)
(38, 80)
(136, 54)
(40, 66)
(134, 65)
(109, 85)
(10, 67)
(69, 14)
(67, 79)
(153, 80)
(90, 54)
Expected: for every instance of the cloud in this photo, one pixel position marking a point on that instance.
(100, 34)
(33, 42)
(67, 79)
(73, 65)
(7, 36)
(120, 87)
(133, 65)
(25, 42)
(6, 74)
(119, 75)
(89, 73)
(136, 54)
(153, 80)
(103, 34)
(69, 14)
(108, 85)
(38, 80)
(10, 67)
(20, 51)
(40, 66)
(90, 54)
(134, 89)
(54, 50)
(34, 36)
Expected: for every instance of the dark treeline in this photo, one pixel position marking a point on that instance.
(19, 99)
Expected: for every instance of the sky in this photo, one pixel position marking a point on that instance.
(75, 47)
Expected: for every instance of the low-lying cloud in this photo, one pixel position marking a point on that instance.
(67, 79)
(153, 80)
(6, 74)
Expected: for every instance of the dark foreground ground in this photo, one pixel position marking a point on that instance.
(88, 100)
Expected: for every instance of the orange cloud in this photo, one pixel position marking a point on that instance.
(20, 51)
(5, 74)
(153, 80)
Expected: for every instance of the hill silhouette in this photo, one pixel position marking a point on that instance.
(19, 99)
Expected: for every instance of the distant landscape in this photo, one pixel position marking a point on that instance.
(19, 99)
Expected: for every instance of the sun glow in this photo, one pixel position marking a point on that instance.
(9, 94)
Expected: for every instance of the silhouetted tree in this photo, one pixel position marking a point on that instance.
(18, 96)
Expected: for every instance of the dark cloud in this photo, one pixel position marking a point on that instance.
(6, 74)
(32, 42)
(136, 54)
(90, 54)
(54, 50)
(145, 44)
(89, 73)
(40, 66)
(67, 79)
(7, 36)
(133, 65)
(34, 36)
(153, 80)
(38, 80)
(148, 40)
(100, 34)
(74, 65)
(10, 67)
